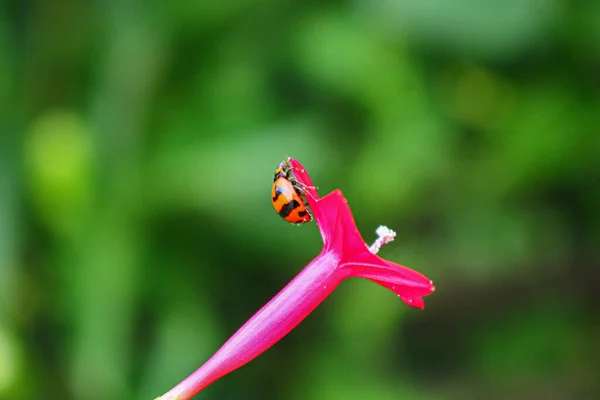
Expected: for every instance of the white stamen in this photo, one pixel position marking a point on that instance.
(385, 235)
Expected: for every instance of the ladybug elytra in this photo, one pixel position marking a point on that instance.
(286, 196)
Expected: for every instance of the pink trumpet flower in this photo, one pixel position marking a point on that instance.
(344, 255)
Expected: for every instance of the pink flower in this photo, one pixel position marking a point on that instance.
(344, 255)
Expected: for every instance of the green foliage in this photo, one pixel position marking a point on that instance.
(137, 146)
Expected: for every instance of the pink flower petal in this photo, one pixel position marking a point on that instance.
(341, 236)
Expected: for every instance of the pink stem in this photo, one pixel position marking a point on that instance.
(271, 323)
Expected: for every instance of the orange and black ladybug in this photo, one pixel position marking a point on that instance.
(286, 196)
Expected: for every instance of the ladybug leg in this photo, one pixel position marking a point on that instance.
(301, 186)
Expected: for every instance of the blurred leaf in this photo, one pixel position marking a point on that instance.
(478, 29)
(58, 163)
(10, 360)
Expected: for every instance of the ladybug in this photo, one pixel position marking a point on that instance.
(286, 196)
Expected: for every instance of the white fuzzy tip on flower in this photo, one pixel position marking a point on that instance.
(385, 235)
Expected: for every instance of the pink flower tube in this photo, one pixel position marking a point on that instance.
(344, 255)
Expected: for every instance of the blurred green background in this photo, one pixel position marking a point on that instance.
(138, 142)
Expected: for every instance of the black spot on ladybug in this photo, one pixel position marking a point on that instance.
(288, 208)
(302, 213)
